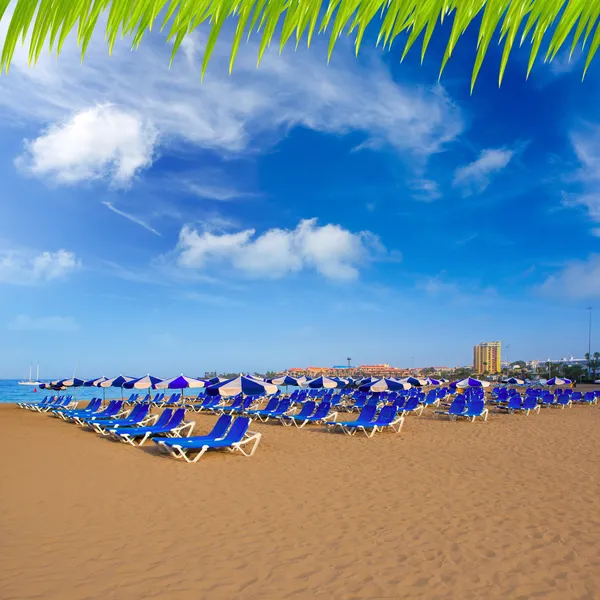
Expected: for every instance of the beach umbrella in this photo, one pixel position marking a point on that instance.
(414, 381)
(241, 385)
(215, 380)
(146, 382)
(558, 381)
(74, 382)
(94, 382)
(288, 380)
(431, 381)
(322, 382)
(384, 385)
(515, 381)
(471, 382)
(366, 381)
(117, 382)
(180, 383)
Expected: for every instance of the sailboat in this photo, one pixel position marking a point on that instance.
(31, 381)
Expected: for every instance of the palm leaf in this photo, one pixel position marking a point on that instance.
(46, 23)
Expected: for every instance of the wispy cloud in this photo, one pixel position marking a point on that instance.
(210, 299)
(215, 192)
(53, 323)
(130, 217)
(466, 240)
(578, 280)
(476, 176)
(245, 112)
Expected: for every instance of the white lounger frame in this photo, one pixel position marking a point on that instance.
(184, 430)
(251, 437)
(395, 425)
(103, 429)
(301, 424)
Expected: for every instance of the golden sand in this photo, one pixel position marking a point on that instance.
(504, 509)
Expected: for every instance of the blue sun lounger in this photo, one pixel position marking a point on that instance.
(413, 405)
(388, 418)
(28, 405)
(514, 404)
(282, 409)
(113, 409)
(169, 423)
(366, 417)
(269, 408)
(139, 416)
(308, 408)
(321, 415)
(93, 406)
(457, 408)
(235, 440)
(530, 403)
(475, 408)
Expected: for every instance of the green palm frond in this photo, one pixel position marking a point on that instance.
(48, 22)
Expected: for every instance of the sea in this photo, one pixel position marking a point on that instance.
(11, 391)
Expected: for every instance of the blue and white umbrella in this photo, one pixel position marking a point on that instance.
(117, 382)
(288, 380)
(94, 382)
(417, 381)
(142, 383)
(366, 381)
(180, 383)
(431, 381)
(215, 380)
(515, 381)
(384, 385)
(73, 382)
(471, 382)
(241, 385)
(322, 382)
(558, 381)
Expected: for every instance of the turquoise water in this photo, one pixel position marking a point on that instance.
(11, 391)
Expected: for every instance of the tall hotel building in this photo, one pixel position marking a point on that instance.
(486, 357)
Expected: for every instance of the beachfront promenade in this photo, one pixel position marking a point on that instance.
(498, 509)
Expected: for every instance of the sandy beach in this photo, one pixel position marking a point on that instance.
(503, 509)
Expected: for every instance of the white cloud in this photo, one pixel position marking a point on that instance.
(247, 111)
(103, 141)
(57, 324)
(579, 279)
(331, 250)
(215, 192)
(131, 217)
(586, 143)
(17, 268)
(475, 177)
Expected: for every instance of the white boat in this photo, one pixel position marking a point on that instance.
(31, 381)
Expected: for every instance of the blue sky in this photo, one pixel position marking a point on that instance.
(295, 214)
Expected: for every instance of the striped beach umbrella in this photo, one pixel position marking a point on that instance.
(558, 381)
(146, 382)
(471, 382)
(321, 382)
(384, 385)
(117, 382)
(73, 382)
(94, 382)
(180, 383)
(241, 385)
(514, 381)
(288, 380)
(417, 381)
